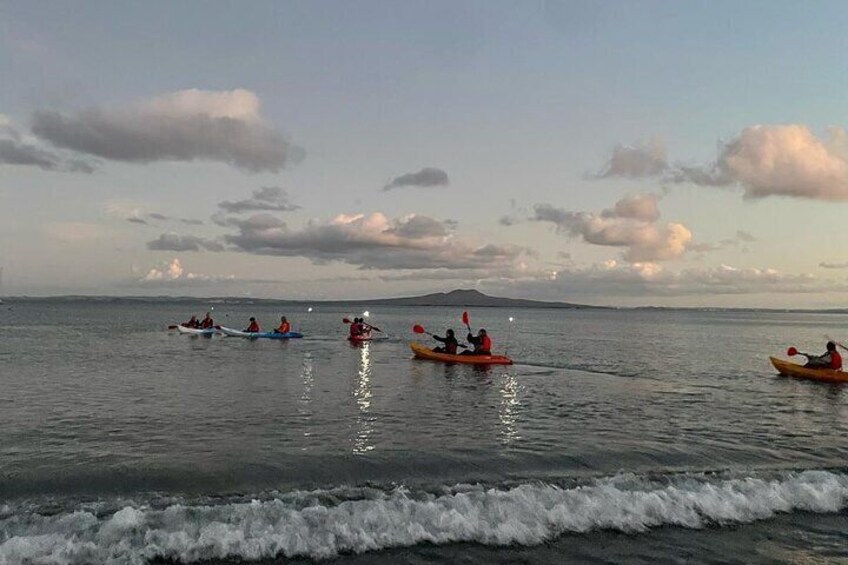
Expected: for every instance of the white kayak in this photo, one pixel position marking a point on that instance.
(196, 331)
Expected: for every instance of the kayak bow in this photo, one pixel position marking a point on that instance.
(196, 331)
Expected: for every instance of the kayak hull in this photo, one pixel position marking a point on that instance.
(196, 331)
(360, 338)
(800, 372)
(421, 351)
(260, 335)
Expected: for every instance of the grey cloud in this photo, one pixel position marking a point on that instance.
(369, 242)
(136, 220)
(425, 178)
(639, 161)
(177, 242)
(14, 152)
(191, 221)
(157, 216)
(828, 265)
(184, 126)
(164, 218)
(269, 198)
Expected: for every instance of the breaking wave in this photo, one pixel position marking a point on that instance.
(325, 523)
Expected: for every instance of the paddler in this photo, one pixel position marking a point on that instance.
(450, 343)
(284, 327)
(482, 343)
(207, 322)
(357, 328)
(831, 359)
(253, 327)
(192, 323)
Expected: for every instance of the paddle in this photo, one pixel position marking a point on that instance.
(173, 327)
(836, 342)
(375, 328)
(792, 352)
(419, 329)
(466, 321)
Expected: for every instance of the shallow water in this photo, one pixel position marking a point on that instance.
(636, 436)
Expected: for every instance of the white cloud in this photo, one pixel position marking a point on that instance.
(631, 223)
(636, 161)
(174, 274)
(223, 126)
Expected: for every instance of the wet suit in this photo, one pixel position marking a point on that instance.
(450, 347)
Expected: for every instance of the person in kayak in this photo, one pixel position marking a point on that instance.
(207, 322)
(450, 343)
(357, 328)
(830, 360)
(284, 327)
(253, 327)
(192, 323)
(482, 343)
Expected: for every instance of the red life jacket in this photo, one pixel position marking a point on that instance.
(284, 328)
(835, 361)
(253, 328)
(486, 344)
(207, 323)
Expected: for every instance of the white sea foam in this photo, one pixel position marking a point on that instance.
(307, 524)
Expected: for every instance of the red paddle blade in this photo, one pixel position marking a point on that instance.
(465, 318)
(345, 320)
(792, 352)
(419, 329)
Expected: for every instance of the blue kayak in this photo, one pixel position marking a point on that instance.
(260, 335)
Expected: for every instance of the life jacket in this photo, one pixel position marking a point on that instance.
(835, 361)
(355, 329)
(486, 344)
(284, 328)
(207, 323)
(253, 328)
(191, 324)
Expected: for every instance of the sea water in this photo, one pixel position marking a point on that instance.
(618, 435)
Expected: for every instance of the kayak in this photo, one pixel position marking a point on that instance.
(801, 372)
(360, 338)
(260, 335)
(421, 351)
(196, 331)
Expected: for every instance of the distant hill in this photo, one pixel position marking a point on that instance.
(460, 298)
(466, 297)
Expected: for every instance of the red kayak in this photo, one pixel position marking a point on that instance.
(361, 338)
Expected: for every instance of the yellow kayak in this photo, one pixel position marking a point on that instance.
(421, 351)
(801, 372)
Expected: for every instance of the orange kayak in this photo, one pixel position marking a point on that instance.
(801, 372)
(421, 351)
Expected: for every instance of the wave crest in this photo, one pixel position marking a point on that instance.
(321, 524)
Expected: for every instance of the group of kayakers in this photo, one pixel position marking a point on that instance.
(253, 326)
(360, 329)
(482, 343)
(203, 324)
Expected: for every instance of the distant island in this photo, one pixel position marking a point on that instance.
(460, 298)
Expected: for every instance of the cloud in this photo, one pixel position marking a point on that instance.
(269, 198)
(174, 274)
(741, 238)
(177, 242)
(425, 178)
(827, 265)
(631, 223)
(636, 161)
(612, 278)
(136, 220)
(221, 126)
(15, 152)
(764, 160)
(370, 242)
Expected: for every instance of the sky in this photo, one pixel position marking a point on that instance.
(617, 153)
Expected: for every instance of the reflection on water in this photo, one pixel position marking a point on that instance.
(305, 409)
(509, 408)
(362, 394)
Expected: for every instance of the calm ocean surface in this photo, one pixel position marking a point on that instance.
(618, 436)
